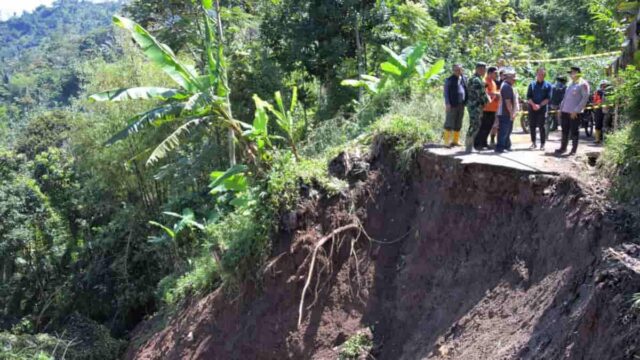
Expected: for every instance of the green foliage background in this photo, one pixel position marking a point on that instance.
(93, 239)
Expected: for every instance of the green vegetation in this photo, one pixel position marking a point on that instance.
(114, 210)
(356, 347)
(622, 157)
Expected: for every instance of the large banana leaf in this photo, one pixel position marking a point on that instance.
(395, 59)
(172, 141)
(233, 179)
(371, 83)
(160, 54)
(413, 58)
(139, 93)
(391, 69)
(434, 70)
(140, 121)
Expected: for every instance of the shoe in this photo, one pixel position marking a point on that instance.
(446, 137)
(572, 152)
(532, 147)
(499, 151)
(456, 138)
(560, 151)
(541, 147)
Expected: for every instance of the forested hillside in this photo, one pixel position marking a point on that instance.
(65, 17)
(151, 151)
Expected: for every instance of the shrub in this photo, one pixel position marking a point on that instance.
(356, 347)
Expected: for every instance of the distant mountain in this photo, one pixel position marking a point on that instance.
(67, 16)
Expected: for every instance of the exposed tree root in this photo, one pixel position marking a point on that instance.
(314, 255)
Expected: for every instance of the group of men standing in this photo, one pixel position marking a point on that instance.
(493, 103)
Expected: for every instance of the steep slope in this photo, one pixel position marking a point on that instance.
(458, 261)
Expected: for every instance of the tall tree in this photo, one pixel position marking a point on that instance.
(322, 37)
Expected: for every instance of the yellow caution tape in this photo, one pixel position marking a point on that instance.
(611, 53)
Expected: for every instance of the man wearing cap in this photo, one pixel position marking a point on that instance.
(496, 123)
(538, 96)
(557, 94)
(476, 100)
(575, 99)
(507, 111)
(455, 96)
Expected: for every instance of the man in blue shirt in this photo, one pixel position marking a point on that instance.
(538, 96)
(455, 97)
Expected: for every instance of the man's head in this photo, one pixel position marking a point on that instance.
(492, 72)
(604, 84)
(575, 73)
(510, 76)
(457, 70)
(481, 68)
(540, 74)
(561, 79)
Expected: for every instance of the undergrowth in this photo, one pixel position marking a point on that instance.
(355, 347)
(242, 236)
(411, 125)
(622, 156)
(83, 339)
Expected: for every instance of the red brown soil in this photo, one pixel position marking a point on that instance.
(464, 262)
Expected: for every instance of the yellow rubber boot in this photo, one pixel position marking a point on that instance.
(456, 138)
(446, 137)
(598, 136)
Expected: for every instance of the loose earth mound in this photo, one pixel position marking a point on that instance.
(445, 261)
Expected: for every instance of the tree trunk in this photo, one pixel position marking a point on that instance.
(359, 56)
(230, 134)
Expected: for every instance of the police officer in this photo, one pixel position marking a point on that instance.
(575, 99)
(476, 99)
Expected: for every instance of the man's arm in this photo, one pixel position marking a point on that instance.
(478, 86)
(507, 98)
(532, 105)
(563, 98)
(446, 95)
(585, 91)
(547, 96)
(509, 104)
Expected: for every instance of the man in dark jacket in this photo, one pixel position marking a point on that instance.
(455, 97)
(538, 96)
(557, 94)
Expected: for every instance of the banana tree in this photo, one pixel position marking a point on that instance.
(284, 116)
(198, 99)
(399, 68)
